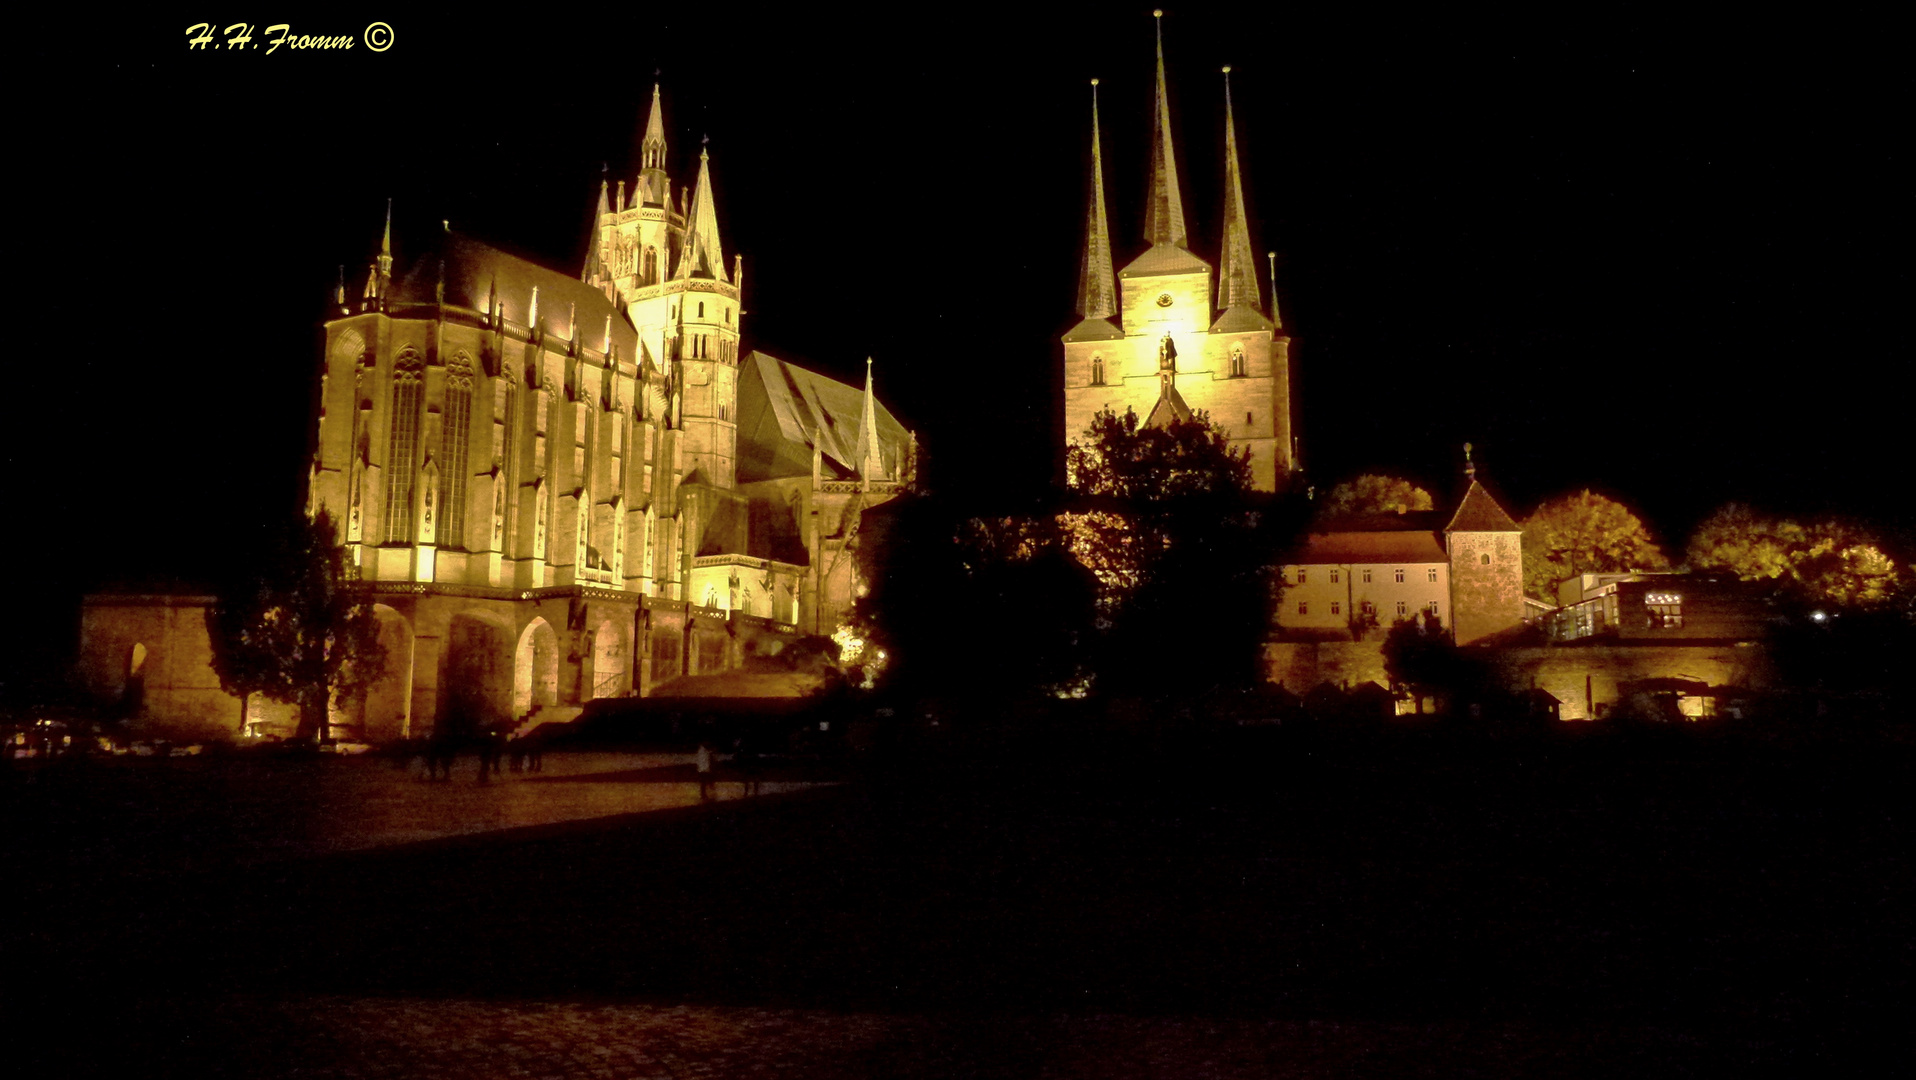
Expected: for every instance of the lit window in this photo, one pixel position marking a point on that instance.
(1403, 609)
(1433, 573)
(452, 512)
(1337, 607)
(1400, 579)
(1334, 575)
(1303, 608)
(402, 448)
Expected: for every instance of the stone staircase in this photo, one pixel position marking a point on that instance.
(548, 714)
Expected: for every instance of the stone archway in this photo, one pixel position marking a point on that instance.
(608, 661)
(386, 713)
(535, 669)
(477, 678)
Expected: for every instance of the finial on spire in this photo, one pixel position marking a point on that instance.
(1164, 213)
(1470, 467)
(1277, 320)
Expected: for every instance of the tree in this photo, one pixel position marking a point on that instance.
(293, 624)
(1827, 562)
(1584, 533)
(1372, 493)
(1421, 658)
(1166, 520)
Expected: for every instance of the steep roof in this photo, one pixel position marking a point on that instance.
(785, 410)
(1164, 259)
(1239, 319)
(1093, 330)
(1405, 546)
(1480, 513)
(471, 269)
(1169, 409)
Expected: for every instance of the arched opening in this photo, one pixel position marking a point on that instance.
(133, 688)
(535, 670)
(476, 679)
(385, 713)
(608, 661)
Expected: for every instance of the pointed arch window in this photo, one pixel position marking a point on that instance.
(458, 442)
(651, 264)
(402, 447)
(1097, 371)
(1237, 361)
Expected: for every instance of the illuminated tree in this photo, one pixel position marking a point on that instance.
(1372, 493)
(1826, 562)
(292, 624)
(1584, 533)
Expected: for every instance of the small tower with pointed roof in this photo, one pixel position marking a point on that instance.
(1158, 341)
(1486, 564)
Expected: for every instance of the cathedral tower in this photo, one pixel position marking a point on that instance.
(1153, 341)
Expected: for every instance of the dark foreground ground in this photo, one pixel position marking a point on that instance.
(1271, 905)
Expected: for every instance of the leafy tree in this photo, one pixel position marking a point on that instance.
(1828, 562)
(1584, 533)
(1421, 658)
(293, 624)
(1166, 520)
(1372, 493)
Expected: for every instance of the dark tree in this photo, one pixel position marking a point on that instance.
(1421, 658)
(293, 623)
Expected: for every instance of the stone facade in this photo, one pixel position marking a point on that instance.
(561, 487)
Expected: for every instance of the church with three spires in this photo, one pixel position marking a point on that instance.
(558, 486)
(1158, 338)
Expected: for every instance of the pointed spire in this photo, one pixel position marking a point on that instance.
(532, 312)
(1238, 273)
(871, 464)
(1164, 214)
(1097, 286)
(652, 147)
(594, 265)
(702, 254)
(339, 293)
(492, 300)
(386, 244)
(1277, 318)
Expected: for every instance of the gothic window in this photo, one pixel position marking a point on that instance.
(1097, 371)
(1237, 362)
(1400, 579)
(651, 265)
(452, 511)
(1432, 572)
(402, 449)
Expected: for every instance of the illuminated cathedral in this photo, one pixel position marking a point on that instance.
(557, 486)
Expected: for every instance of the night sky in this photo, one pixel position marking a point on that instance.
(1667, 261)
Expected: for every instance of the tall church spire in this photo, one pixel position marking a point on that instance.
(594, 268)
(871, 464)
(701, 254)
(1097, 288)
(1238, 271)
(386, 248)
(1164, 214)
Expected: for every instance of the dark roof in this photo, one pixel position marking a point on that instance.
(1164, 259)
(1480, 513)
(784, 409)
(1170, 409)
(1407, 546)
(1382, 521)
(473, 267)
